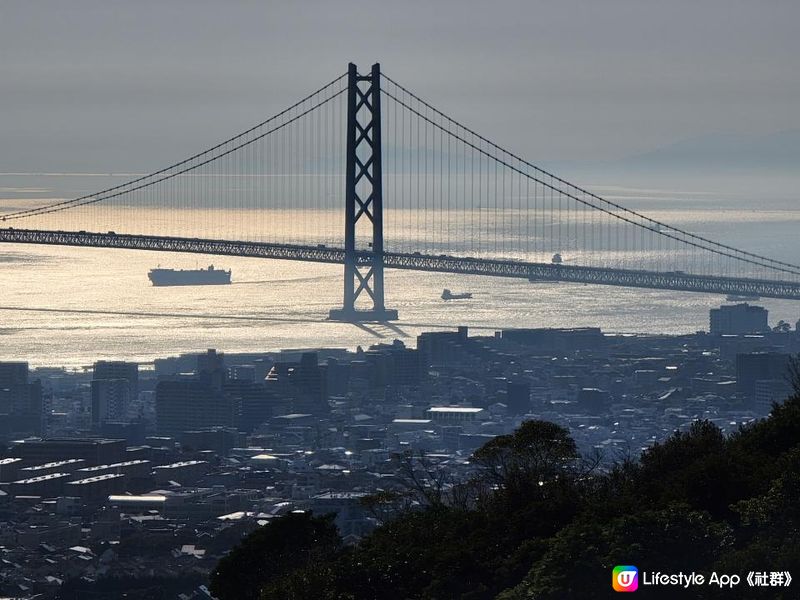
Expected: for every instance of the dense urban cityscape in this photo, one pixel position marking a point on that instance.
(157, 470)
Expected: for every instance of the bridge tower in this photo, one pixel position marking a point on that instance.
(363, 267)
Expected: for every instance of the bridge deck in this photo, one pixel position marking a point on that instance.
(677, 280)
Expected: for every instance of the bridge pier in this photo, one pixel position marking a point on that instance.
(363, 267)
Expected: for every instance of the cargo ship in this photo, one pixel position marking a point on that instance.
(208, 276)
(448, 295)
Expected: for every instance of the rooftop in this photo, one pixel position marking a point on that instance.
(126, 499)
(42, 478)
(184, 463)
(95, 479)
(70, 441)
(55, 464)
(127, 463)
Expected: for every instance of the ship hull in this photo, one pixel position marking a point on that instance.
(169, 277)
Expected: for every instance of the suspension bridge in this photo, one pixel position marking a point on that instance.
(365, 173)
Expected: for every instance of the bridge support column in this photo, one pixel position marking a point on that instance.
(363, 267)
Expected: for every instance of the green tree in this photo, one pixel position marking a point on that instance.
(696, 467)
(535, 455)
(769, 530)
(290, 543)
(580, 558)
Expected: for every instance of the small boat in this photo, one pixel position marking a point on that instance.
(448, 295)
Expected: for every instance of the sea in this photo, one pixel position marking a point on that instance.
(68, 307)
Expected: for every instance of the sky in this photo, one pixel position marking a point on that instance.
(97, 86)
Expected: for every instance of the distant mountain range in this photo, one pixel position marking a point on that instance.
(779, 150)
